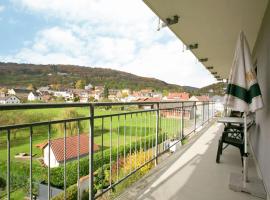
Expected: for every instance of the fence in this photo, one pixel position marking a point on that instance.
(122, 138)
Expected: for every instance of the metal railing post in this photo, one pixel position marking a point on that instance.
(182, 121)
(195, 113)
(31, 163)
(91, 152)
(203, 113)
(8, 164)
(208, 104)
(157, 131)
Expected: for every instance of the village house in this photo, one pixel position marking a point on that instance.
(177, 96)
(114, 95)
(45, 89)
(46, 97)
(22, 94)
(99, 89)
(34, 96)
(199, 102)
(57, 149)
(147, 92)
(68, 96)
(126, 91)
(89, 87)
(10, 99)
(199, 98)
(148, 99)
(219, 103)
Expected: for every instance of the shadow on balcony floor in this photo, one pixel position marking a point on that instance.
(192, 174)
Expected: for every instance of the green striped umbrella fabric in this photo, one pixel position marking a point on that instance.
(243, 91)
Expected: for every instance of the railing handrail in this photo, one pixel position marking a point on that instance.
(168, 123)
(99, 104)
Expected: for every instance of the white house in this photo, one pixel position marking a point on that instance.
(34, 96)
(218, 103)
(88, 87)
(65, 94)
(57, 149)
(22, 94)
(11, 99)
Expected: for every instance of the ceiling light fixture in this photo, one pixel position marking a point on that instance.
(192, 46)
(203, 59)
(168, 22)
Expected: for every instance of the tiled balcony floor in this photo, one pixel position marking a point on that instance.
(192, 173)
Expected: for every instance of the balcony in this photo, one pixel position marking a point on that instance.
(103, 149)
(191, 173)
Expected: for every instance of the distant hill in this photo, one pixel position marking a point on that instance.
(213, 89)
(189, 88)
(21, 75)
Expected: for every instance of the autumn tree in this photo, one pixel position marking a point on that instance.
(31, 87)
(80, 84)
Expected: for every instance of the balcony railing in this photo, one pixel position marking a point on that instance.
(122, 138)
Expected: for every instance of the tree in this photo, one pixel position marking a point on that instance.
(124, 94)
(165, 93)
(31, 87)
(106, 91)
(71, 127)
(55, 86)
(80, 84)
(4, 90)
(91, 99)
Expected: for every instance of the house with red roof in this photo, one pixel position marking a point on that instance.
(148, 99)
(199, 98)
(177, 96)
(57, 153)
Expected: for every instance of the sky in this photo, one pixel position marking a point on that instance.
(118, 34)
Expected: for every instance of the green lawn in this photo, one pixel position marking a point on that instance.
(124, 129)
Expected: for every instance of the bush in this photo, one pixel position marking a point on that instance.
(17, 178)
(57, 174)
(71, 193)
(2, 183)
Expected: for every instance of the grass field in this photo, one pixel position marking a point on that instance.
(124, 129)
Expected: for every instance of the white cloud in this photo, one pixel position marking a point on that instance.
(116, 11)
(2, 8)
(167, 62)
(116, 34)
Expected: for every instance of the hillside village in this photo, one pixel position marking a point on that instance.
(89, 93)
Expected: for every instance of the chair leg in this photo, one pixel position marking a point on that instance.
(219, 150)
(242, 154)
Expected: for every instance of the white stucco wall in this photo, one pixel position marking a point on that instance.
(260, 134)
(53, 161)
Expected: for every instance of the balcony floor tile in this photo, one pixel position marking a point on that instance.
(192, 173)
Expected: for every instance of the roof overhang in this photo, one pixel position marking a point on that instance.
(214, 25)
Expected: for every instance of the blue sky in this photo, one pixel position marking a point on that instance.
(118, 34)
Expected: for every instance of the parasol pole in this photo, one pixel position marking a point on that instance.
(245, 157)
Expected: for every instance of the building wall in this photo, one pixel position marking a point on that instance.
(260, 135)
(53, 161)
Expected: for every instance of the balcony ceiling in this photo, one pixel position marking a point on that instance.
(214, 25)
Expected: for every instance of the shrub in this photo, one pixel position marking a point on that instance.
(138, 160)
(71, 193)
(57, 174)
(2, 183)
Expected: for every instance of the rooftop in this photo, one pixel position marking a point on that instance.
(57, 146)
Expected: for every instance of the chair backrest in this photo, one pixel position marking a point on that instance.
(236, 114)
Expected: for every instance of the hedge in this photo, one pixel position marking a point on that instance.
(71, 193)
(57, 174)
